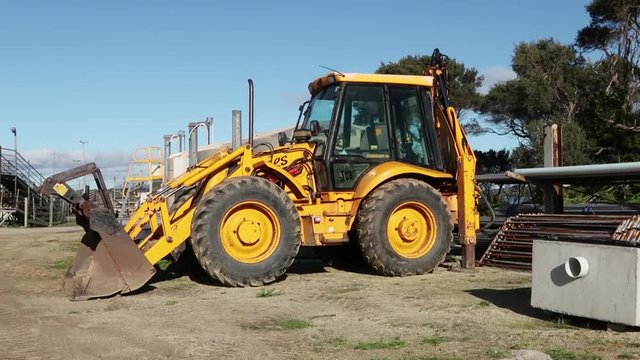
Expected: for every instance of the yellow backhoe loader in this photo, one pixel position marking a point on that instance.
(380, 158)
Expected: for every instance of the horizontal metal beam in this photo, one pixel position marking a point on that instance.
(567, 174)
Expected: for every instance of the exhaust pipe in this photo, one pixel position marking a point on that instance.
(251, 113)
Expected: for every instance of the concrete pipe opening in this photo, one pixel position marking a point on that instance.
(576, 267)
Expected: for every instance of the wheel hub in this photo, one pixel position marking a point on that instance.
(248, 232)
(408, 229)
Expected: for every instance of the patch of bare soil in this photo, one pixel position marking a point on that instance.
(316, 312)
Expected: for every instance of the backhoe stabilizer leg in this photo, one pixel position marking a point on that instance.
(468, 256)
(108, 262)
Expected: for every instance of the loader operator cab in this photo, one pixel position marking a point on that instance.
(359, 121)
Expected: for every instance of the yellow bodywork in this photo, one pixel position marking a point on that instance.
(251, 230)
(418, 80)
(325, 219)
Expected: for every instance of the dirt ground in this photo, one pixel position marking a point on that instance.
(316, 312)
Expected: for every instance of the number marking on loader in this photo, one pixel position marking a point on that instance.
(282, 161)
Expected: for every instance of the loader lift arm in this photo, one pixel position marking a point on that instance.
(57, 185)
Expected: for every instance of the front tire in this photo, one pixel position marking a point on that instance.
(246, 232)
(404, 228)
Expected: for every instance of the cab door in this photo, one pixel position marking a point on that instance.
(413, 127)
(361, 135)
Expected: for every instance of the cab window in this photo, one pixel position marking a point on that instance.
(362, 127)
(412, 143)
(320, 110)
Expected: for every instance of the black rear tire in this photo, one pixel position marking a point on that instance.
(220, 232)
(427, 241)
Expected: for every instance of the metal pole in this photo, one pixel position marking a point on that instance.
(27, 180)
(208, 122)
(50, 210)
(26, 212)
(165, 161)
(84, 180)
(1, 187)
(15, 163)
(77, 179)
(193, 144)
(180, 140)
(250, 113)
(236, 129)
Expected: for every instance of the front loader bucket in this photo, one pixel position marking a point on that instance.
(108, 262)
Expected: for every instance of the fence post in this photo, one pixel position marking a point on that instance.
(26, 211)
(50, 210)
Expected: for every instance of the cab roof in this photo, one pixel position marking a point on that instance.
(335, 77)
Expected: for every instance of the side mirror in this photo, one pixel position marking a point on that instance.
(301, 136)
(315, 127)
(282, 138)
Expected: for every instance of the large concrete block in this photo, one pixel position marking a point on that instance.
(589, 280)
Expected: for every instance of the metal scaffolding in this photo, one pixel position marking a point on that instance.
(20, 202)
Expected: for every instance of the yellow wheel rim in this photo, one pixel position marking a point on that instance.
(412, 230)
(250, 232)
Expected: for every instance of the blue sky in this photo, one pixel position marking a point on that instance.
(121, 74)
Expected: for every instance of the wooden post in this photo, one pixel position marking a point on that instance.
(553, 198)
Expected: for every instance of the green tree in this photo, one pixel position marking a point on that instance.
(614, 30)
(614, 114)
(548, 88)
(492, 161)
(463, 82)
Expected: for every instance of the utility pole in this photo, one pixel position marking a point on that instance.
(84, 178)
(77, 180)
(15, 164)
(51, 197)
